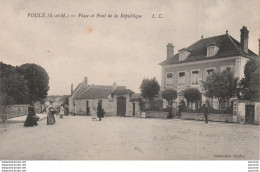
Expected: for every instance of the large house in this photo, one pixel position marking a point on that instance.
(115, 100)
(193, 64)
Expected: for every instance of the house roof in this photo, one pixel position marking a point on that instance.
(95, 93)
(123, 91)
(228, 46)
(136, 97)
(98, 92)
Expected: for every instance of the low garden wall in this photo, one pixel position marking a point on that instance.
(211, 117)
(152, 114)
(12, 111)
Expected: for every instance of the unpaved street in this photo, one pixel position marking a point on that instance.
(79, 138)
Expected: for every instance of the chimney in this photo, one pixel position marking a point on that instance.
(71, 91)
(170, 50)
(244, 39)
(114, 86)
(86, 80)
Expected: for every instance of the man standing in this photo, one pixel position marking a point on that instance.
(206, 112)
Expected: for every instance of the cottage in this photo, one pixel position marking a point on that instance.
(192, 65)
(115, 100)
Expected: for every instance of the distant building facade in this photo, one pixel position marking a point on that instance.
(192, 65)
(115, 100)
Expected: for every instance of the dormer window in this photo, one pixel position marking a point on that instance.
(212, 49)
(183, 54)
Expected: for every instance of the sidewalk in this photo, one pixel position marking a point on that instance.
(21, 119)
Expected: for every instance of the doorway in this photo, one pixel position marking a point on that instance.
(250, 114)
(133, 109)
(121, 106)
(87, 108)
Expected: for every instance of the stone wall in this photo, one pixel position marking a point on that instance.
(211, 117)
(152, 114)
(12, 111)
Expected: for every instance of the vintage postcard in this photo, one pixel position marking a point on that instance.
(129, 80)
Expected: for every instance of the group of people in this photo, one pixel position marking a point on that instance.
(32, 118)
(97, 114)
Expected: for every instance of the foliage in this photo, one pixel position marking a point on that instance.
(249, 86)
(220, 85)
(153, 105)
(192, 95)
(37, 79)
(182, 107)
(149, 88)
(13, 86)
(169, 95)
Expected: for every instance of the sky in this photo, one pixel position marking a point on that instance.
(108, 50)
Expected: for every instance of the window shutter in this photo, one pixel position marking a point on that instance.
(176, 80)
(187, 78)
(200, 76)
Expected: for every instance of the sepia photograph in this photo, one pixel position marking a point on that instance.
(129, 80)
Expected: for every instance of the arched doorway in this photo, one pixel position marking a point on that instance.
(121, 106)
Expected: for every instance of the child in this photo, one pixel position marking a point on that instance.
(61, 112)
(93, 114)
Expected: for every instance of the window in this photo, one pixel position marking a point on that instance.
(212, 50)
(169, 80)
(181, 78)
(183, 54)
(195, 77)
(226, 68)
(209, 72)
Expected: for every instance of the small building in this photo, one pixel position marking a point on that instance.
(115, 100)
(246, 112)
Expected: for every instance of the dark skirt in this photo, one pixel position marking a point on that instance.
(50, 118)
(31, 121)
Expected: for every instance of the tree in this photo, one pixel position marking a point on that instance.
(13, 86)
(249, 86)
(220, 85)
(192, 95)
(169, 95)
(149, 88)
(37, 79)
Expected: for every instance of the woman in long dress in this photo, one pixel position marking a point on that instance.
(31, 119)
(50, 116)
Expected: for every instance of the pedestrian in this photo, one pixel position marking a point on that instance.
(99, 111)
(50, 115)
(170, 112)
(32, 118)
(61, 111)
(74, 109)
(88, 109)
(206, 112)
(93, 113)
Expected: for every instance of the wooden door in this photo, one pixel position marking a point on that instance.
(87, 108)
(133, 109)
(121, 106)
(250, 114)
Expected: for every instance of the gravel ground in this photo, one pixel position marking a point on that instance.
(119, 138)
